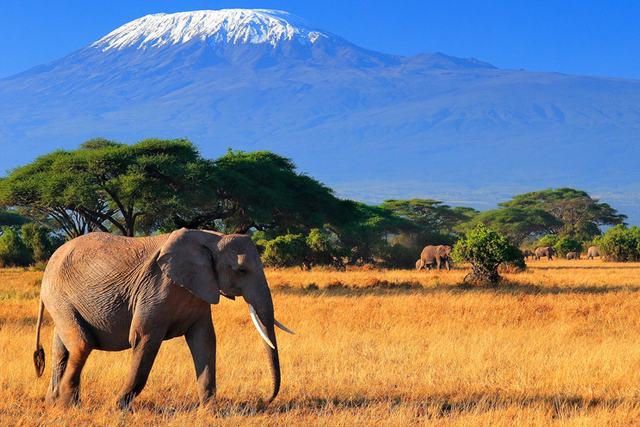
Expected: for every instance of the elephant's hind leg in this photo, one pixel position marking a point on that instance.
(60, 356)
(67, 367)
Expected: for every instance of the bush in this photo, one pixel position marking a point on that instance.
(399, 256)
(13, 251)
(566, 245)
(620, 243)
(320, 250)
(297, 250)
(548, 240)
(38, 242)
(285, 251)
(485, 249)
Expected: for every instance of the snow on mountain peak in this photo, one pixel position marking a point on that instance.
(222, 27)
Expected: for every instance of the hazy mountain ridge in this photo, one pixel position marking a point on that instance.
(344, 114)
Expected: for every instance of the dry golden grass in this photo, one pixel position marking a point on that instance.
(556, 345)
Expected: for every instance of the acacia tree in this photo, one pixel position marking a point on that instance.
(577, 213)
(365, 236)
(263, 191)
(11, 218)
(109, 186)
(428, 214)
(516, 224)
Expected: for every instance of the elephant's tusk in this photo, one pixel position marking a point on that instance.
(256, 322)
(284, 328)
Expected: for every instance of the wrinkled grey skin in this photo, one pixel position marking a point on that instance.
(573, 255)
(528, 254)
(111, 293)
(592, 252)
(549, 251)
(420, 265)
(432, 256)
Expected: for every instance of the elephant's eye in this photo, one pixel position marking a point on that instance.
(242, 270)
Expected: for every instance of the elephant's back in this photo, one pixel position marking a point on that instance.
(99, 254)
(428, 252)
(96, 263)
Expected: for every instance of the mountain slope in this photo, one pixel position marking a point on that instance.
(369, 124)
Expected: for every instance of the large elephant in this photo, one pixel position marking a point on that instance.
(435, 256)
(592, 252)
(548, 251)
(573, 255)
(111, 293)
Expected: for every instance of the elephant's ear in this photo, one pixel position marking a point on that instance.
(188, 259)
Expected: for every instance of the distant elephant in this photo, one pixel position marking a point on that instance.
(592, 252)
(420, 265)
(527, 253)
(548, 251)
(436, 255)
(573, 255)
(111, 293)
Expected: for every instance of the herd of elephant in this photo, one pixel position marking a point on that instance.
(550, 251)
(112, 293)
(438, 256)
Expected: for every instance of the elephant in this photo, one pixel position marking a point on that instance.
(548, 251)
(420, 264)
(527, 253)
(111, 293)
(435, 256)
(592, 252)
(573, 255)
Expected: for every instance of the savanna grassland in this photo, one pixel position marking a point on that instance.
(556, 345)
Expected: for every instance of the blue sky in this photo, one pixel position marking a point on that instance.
(598, 38)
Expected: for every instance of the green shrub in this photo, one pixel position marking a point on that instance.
(399, 256)
(620, 243)
(321, 250)
(292, 250)
(548, 240)
(38, 241)
(285, 251)
(486, 249)
(13, 251)
(566, 245)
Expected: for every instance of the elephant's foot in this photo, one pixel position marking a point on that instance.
(63, 397)
(125, 401)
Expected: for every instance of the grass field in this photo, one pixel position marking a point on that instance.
(556, 345)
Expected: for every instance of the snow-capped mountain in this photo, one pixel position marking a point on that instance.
(369, 124)
(216, 27)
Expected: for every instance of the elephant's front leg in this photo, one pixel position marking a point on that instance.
(201, 339)
(145, 349)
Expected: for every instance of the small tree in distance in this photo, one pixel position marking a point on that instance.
(13, 252)
(486, 249)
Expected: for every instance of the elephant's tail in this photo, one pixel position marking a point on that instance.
(38, 355)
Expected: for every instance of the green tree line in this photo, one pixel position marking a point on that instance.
(159, 185)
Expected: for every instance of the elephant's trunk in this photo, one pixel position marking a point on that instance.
(267, 320)
(264, 309)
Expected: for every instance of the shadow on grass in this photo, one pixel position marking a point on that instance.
(504, 287)
(579, 267)
(435, 406)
